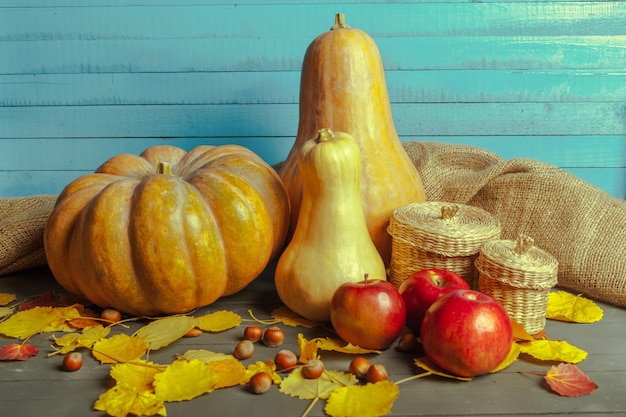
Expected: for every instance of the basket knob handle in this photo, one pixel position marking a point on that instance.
(448, 211)
(523, 244)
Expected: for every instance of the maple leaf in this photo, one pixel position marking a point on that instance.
(568, 380)
(370, 400)
(184, 380)
(17, 352)
(6, 298)
(290, 318)
(268, 366)
(47, 299)
(219, 321)
(119, 348)
(308, 349)
(165, 331)
(564, 306)
(553, 350)
(296, 385)
(123, 399)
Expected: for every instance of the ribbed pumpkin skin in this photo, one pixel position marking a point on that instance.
(149, 243)
(342, 87)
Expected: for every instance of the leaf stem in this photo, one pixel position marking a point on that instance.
(310, 407)
(411, 378)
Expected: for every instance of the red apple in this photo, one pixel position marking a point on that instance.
(422, 288)
(467, 333)
(369, 314)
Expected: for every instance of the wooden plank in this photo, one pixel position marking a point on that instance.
(282, 87)
(411, 119)
(79, 154)
(29, 181)
(271, 54)
(109, 21)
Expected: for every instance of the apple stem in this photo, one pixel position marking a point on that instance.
(418, 376)
(365, 277)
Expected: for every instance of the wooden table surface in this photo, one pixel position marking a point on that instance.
(39, 387)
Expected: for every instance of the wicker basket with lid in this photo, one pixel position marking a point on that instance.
(520, 276)
(438, 235)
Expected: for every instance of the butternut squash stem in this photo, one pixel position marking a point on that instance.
(340, 22)
(164, 168)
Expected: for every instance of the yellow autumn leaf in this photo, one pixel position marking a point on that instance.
(27, 323)
(73, 341)
(427, 365)
(230, 372)
(269, 366)
(165, 331)
(119, 348)
(290, 318)
(564, 306)
(63, 315)
(5, 311)
(6, 298)
(553, 350)
(123, 399)
(510, 358)
(219, 321)
(205, 355)
(308, 349)
(370, 400)
(339, 345)
(137, 374)
(184, 380)
(296, 385)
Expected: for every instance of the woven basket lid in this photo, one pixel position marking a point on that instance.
(519, 262)
(444, 228)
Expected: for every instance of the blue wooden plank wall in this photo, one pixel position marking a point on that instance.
(82, 80)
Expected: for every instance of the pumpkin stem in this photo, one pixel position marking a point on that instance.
(164, 168)
(325, 134)
(340, 22)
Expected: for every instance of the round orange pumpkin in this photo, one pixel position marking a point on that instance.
(167, 231)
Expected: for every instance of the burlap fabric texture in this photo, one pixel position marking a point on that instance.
(579, 224)
(583, 227)
(22, 222)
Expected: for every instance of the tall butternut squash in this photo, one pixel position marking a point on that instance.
(343, 87)
(331, 244)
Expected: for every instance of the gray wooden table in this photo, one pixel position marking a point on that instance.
(39, 387)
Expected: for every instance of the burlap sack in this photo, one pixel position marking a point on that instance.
(22, 222)
(579, 224)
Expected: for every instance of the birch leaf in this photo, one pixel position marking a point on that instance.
(510, 358)
(18, 352)
(119, 348)
(184, 380)
(296, 385)
(25, 324)
(5, 311)
(205, 355)
(339, 345)
(290, 318)
(219, 321)
(564, 306)
(427, 365)
(553, 350)
(568, 380)
(137, 374)
(371, 400)
(165, 331)
(123, 399)
(6, 298)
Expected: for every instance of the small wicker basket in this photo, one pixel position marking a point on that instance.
(438, 235)
(520, 276)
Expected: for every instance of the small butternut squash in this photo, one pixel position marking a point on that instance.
(331, 244)
(343, 87)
